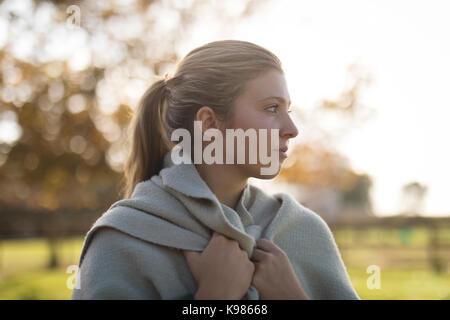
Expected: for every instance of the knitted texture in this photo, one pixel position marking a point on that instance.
(134, 250)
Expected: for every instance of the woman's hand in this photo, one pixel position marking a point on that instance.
(222, 270)
(274, 277)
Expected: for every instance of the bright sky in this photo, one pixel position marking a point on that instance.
(405, 45)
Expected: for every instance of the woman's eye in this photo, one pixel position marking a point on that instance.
(272, 107)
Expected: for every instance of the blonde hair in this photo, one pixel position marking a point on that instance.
(212, 75)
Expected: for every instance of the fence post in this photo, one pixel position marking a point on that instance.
(435, 261)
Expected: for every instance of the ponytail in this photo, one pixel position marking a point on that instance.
(149, 141)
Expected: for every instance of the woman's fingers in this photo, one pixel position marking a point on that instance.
(258, 255)
(267, 245)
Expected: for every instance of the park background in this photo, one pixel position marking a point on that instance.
(369, 86)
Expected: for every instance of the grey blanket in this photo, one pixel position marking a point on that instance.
(134, 250)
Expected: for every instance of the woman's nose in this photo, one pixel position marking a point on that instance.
(289, 129)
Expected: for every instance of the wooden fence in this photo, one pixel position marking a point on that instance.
(433, 252)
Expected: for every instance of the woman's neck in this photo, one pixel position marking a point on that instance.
(224, 181)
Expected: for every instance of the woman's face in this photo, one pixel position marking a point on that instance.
(264, 105)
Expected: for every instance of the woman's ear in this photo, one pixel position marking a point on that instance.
(208, 118)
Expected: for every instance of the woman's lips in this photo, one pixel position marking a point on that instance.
(282, 152)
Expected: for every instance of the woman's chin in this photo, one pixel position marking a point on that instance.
(263, 172)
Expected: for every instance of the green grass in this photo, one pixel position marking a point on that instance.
(36, 285)
(402, 284)
(18, 256)
(24, 273)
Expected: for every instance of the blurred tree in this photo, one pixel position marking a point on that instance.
(413, 195)
(67, 111)
(71, 74)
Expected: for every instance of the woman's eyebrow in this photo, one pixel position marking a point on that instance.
(276, 98)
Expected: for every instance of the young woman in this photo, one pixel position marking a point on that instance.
(200, 230)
